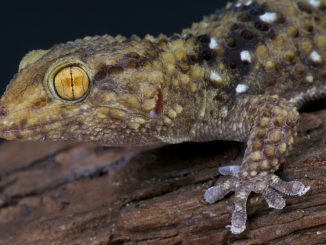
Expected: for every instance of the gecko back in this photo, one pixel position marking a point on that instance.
(240, 75)
(266, 47)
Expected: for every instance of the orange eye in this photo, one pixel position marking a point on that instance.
(71, 83)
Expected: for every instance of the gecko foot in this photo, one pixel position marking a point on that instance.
(264, 183)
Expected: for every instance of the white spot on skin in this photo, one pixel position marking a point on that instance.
(215, 76)
(245, 56)
(268, 17)
(213, 43)
(241, 88)
(309, 78)
(248, 3)
(314, 3)
(315, 56)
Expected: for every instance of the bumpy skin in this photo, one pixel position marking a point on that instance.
(240, 75)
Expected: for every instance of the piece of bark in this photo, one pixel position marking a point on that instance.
(55, 193)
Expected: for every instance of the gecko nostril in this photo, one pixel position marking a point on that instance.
(3, 112)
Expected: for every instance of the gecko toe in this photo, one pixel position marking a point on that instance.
(239, 215)
(229, 170)
(291, 188)
(265, 184)
(236, 229)
(273, 199)
(219, 191)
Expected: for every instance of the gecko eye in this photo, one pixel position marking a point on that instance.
(71, 83)
(68, 81)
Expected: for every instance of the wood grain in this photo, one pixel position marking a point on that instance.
(55, 193)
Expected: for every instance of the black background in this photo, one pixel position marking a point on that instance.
(39, 24)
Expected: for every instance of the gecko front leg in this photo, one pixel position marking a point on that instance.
(270, 137)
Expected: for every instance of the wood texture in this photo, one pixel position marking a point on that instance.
(66, 193)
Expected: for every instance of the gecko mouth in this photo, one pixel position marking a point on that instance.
(32, 132)
(20, 129)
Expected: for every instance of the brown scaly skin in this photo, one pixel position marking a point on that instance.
(238, 76)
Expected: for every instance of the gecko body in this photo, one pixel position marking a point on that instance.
(240, 75)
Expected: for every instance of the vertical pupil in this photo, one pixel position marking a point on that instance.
(71, 82)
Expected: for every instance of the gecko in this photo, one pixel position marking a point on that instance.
(239, 75)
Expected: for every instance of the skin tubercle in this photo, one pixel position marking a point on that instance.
(134, 89)
(240, 75)
(161, 87)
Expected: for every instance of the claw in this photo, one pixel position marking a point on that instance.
(303, 190)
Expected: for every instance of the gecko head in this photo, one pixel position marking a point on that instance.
(98, 89)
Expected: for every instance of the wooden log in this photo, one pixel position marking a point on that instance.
(55, 193)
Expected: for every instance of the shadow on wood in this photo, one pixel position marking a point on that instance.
(65, 193)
